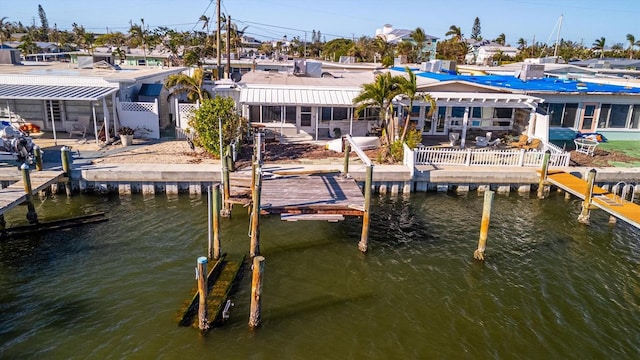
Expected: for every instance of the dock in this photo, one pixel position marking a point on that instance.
(312, 197)
(602, 199)
(15, 194)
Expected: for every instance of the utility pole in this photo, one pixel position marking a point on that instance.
(228, 66)
(218, 43)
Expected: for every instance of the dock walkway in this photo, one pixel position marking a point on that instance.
(603, 199)
(14, 194)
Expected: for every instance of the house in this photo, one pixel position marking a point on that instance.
(580, 104)
(394, 36)
(483, 52)
(55, 95)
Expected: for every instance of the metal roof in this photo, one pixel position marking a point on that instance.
(54, 92)
(298, 96)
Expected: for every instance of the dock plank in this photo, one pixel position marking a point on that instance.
(14, 194)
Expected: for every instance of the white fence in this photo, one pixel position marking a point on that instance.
(185, 113)
(142, 116)
(486, 157)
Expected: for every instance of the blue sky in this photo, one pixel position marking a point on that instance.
(583, 20)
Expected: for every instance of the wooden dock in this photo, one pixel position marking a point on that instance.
(313, 197)
(602, 199)
(14, 194)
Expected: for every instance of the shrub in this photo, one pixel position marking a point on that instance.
(205, 124)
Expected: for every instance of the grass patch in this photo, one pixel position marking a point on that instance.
(629, 148)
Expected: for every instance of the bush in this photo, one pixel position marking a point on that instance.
(414, 137)
(205, 124)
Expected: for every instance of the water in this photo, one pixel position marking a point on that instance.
(550, 287)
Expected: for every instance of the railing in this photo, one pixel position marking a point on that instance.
(485, 157)
(140, 115)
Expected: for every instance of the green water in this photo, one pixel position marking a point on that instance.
(550, 287)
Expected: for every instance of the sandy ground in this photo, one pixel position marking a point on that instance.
(166, 152)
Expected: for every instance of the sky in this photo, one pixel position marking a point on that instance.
(583, 21)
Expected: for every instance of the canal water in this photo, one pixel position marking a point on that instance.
(550, 287)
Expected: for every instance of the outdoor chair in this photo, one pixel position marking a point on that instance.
(80, 127)
(534, 145)
(484, 140)
(522, 141)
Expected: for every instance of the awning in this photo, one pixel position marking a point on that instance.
(303, 97)
(504, 100)
(55, 92)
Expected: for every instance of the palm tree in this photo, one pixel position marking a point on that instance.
(501, 39)
(599, 45)
(4, 30)
(380, 93)
(455, 32)
(419, 37)
(632, 43)
(190, 85)
(409, 88)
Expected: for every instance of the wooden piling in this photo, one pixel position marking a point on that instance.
(226, 208)
(255, 213)
(347, 150)
(65, 154)
(203, 322)
(216, 222)
(32, 216)
(256, 292)
(38, 155)
(364, 238)
(586, 204)
(543, 174)
(484, 225)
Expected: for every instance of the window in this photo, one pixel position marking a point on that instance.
(570, 112)
(457, 112)
(340, 113)
(254, 113)
(305, 116)
(618, 117)
(503, 113)
(635, 117)
(325, 114)
(290, 114)
(605, 109)
(555, 114)
(271, 113)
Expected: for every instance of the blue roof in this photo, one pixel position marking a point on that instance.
(534, 85)
(150, 90)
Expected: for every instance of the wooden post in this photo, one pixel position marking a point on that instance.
(203, 322)
(256, 292)
(32, 216)
(216, 222)
(586, 204)
(347, 150)
(484, 225)
(38, 154)
(226, 207)
(66, 168)
(364, 238)
(229, 159)
(543, 174)
(255, 214)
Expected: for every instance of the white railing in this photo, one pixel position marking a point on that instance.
(486, 157)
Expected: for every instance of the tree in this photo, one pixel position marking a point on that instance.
(408, 87)
(207, 119)
(138, 37)
(44, 28)
(379, 94)
(598, 45)
(475, 30)
(455, 32)
(5, 30)
(190, 85)
(632, 42)
(501, 39)
(419, 37)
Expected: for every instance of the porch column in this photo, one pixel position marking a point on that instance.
(53, 121)
(532, 123)
(95, 123)
(351, 121)
(114, 110)
(105, 118)
(465, 123)
(317, 117)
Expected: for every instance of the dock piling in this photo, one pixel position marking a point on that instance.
(32, 216)
(201, 276)
(543, 174)
(484, 225)
(347, 150)
(255, 212)
(65, 154)
(586, 204)
(364, 237)
(38, 155)
(256, 292)
(213, 202)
